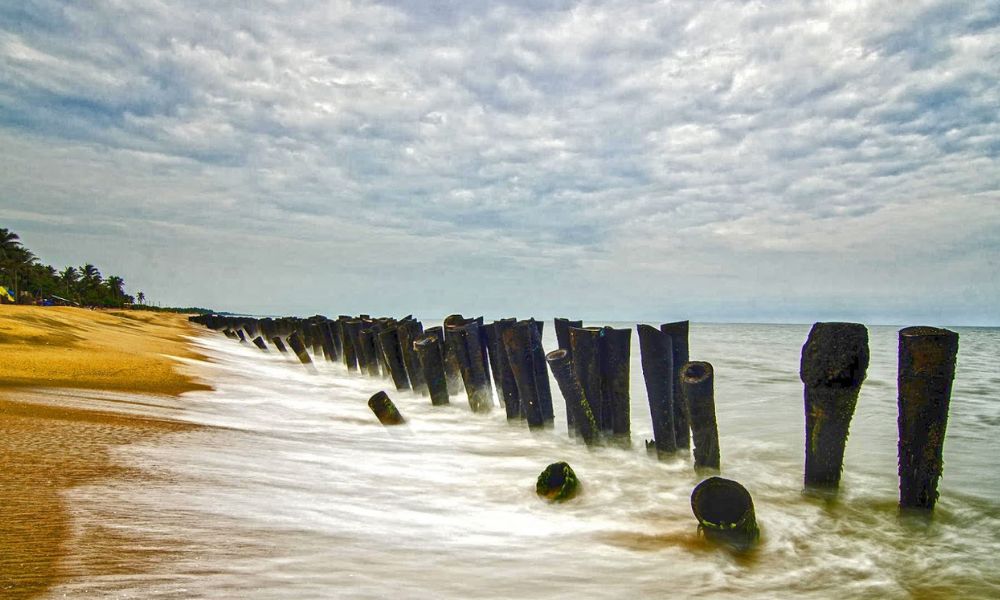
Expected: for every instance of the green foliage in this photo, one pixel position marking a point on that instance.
(32, 281)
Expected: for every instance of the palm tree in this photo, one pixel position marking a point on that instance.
(90, 283)
(69, 277)
(10, 249)
(115, 285)
(141, 298)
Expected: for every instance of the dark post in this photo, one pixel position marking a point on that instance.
(299, 348)
(557, 483)
(562, 333)
(697, 385)
(408, 331)
(259, 342)
(452, 369)
(367, 351)
(926, 370)
(583, 419)
(242, 336)
(351, 328)
(326, 337)
(393, 355)
(385, 410)
(586, 350)
(466, 345)
(523, 345)
(657, 359)
(678, 332)
(834, 363)
(493, 349)
(279, 344)
(429, 351)
(507, 385)
(615, 355)
(725, 514)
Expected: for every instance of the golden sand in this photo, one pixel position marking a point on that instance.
(47, 449)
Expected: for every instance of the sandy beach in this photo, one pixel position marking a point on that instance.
(47, 448)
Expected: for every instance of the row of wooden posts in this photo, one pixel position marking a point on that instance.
(591, 367)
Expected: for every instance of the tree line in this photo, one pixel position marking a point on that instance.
(29, 281)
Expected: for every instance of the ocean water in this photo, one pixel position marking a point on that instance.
(297, 491)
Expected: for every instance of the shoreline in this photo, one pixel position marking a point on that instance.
(50, 446)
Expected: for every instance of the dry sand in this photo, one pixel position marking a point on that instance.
(45, 449)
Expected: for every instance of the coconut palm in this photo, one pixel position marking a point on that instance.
(116, 287)
(69, 277)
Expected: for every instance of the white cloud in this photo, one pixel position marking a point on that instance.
(803, 152)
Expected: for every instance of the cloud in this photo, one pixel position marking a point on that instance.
(515, 157)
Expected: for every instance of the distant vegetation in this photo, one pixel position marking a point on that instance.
(31, 282)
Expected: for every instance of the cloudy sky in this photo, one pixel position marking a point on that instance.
(751, 161)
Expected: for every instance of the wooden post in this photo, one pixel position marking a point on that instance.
(656, 350)
(452, 369)
(725, 514)
(409, 330)
(678, 332)
(385, 410)
(260, 343)
(393, 354)
(562, 333)
(926, 370)
(366, 350)
(697, 385)
(326, 337)
(523, 345)
(299, 348)
(430, 352)
(467, 348)
(576, 403)
(615, 366)
(279, 344)
(586, 350)
(349, 340)
(507, 385)
(834, 364)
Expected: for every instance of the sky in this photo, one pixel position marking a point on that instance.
(780, 161)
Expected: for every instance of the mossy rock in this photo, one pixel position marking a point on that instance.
(557, 483)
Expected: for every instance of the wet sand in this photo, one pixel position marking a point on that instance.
(46, 448)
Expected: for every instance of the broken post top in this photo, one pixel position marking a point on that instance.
(835, 355)
(721, 503)
(928, 352)
(557, 355)
(696, 372)
(676, 328)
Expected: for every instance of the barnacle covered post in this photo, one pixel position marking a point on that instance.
(725, 513)
(576, 404)
(657, 360)
(385, 410)
(430, 352)
(926, 370)
(557, 483)
(678, 332)
(697, 386)
(585, 343)
(834, 364)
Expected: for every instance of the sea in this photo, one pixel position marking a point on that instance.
(294, 490)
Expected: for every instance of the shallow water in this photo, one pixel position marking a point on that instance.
(300, 493)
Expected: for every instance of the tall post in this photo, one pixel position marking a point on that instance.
(508, 383)
(350, 329)
(562, 333)
(583, 418)
(430, 352)
(393, 356)
(615, 366)
(678, 332)
(834, 364)
(467, 347)
(326, 336)
(408, 331)
(656, 350)
(697, 385)
(586, 350)
(527, 361)
(452, 369)
(367, 350)
(926, 370)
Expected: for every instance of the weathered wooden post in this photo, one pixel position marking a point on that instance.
(351, 328)
(241, 335)
(615, 366)
(280, 345)
(926, 370)
(367, 350)
(523, 345)
(493, 349)
(656, 350)
(409, 330)
(393, 354)
(452, 369)
(725, 514)
(326, 337)
(576, 403)
(562, 333)
(697, 385)
(678, 332)
(260, 343)
(430, 352)
(557, 483)
(299, 348)
(834, 364)
(466, 345)
(505, 374)
(586, 351)
(385, 410)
